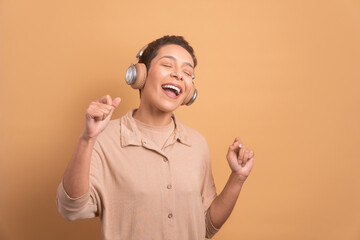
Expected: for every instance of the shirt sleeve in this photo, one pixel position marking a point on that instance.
(208, 194)
(86, 206)
(211, 230)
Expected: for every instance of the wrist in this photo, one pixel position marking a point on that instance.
(238, 177)
(85, 138)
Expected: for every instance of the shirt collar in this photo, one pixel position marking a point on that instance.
(130, 134)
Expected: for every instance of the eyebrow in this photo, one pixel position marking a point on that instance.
(174, 58)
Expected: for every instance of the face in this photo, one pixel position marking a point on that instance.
(169, 79)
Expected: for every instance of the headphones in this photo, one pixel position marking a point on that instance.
(136, 76)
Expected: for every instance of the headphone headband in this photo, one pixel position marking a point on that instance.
(140, 53)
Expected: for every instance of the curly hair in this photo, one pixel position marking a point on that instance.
(152, 49)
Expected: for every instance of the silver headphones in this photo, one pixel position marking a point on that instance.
(136, 76)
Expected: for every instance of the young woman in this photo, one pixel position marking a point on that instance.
(147, 175)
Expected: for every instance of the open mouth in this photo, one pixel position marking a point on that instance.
(171, 90)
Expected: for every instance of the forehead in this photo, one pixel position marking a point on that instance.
(176, 51)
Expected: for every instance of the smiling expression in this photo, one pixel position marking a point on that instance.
(169, 78)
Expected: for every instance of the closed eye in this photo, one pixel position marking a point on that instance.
(187, 73)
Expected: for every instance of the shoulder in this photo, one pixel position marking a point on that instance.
(194, 136)
(119, 131)
(196, 142)
(115, 126)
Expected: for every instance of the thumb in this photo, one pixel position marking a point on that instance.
(232, 151)
(116, 102)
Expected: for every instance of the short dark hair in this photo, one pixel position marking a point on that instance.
(152, 49)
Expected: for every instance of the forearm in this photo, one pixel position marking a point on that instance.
(224, 203)
(76, 177)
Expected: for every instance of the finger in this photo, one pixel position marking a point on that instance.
(232, 151)
(111, 112)
(249, 165)
(99, 105)
(238, 140)
(246, 157)
(241, 155)
(236, 145)
(116, 102)
(99, 111)
(105, 100)
(106, 112)
(95, 114)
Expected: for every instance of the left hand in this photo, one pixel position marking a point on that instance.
(240, 159)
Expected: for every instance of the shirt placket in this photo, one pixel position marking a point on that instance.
(167, 189)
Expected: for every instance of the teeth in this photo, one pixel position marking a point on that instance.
(172, 87)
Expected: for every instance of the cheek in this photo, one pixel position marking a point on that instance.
(189, 85)
(155, 77)
(151, 80)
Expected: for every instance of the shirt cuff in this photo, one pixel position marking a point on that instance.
(211, 230)
(69, 203)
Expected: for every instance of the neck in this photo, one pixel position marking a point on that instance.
(153, 117)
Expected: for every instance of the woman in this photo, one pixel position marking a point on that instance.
(147, 175)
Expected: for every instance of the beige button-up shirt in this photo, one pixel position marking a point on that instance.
(140, 191)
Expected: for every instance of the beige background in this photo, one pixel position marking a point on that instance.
(282, 75)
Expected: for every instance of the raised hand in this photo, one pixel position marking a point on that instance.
(98, 116)
(240, 159)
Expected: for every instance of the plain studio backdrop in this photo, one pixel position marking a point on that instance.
(282, 75)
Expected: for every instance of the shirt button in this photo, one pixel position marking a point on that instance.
(170, 215)
(169, 186)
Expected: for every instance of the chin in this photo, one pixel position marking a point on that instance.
(167, 106)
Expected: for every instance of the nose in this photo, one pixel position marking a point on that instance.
(176, 74)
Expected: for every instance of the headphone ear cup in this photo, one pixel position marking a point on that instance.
(190, 98)
(136, 75)
(140, 78)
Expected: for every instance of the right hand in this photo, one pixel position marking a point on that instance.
(98, 116)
